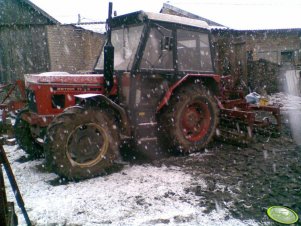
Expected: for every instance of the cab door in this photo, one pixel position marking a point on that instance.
(148, 86)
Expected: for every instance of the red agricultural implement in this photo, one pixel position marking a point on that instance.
(13, 98)
(9, 103)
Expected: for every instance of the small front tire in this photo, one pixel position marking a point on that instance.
(24, 137)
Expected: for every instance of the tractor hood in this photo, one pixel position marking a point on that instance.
(63, 78)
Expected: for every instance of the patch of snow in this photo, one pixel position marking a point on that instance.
(137, 195)
(98, 28)
(290, 108)
(53, 73)
(287, 102)
(86, 95)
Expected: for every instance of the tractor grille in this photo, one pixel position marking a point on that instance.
(32, 104)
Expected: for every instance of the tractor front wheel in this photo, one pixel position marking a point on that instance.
(25, 138)
(82, 143)
(190, 120)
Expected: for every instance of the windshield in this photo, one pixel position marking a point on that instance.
(125, 41)
(158, 54)
(193, 51)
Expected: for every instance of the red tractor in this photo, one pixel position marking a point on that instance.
(156, 87)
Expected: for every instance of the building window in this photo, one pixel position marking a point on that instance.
(269, 56)
(287, 57)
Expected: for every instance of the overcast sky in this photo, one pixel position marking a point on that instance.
(237, 14)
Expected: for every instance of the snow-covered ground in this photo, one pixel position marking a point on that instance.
(137, 195)
(291, 111)
(287, 102)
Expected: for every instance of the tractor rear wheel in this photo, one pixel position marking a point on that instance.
(81, 143)
(24, 137)
(190, 120)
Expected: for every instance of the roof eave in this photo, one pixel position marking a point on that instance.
(39, 10)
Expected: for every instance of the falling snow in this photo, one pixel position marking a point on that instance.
(168, 194)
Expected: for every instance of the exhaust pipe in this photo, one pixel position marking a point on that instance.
(109, 54)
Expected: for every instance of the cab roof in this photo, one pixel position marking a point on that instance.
(141, 16)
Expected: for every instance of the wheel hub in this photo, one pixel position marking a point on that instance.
(195, 121)
(191, 119)
(87, 144)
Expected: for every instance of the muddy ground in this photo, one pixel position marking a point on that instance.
(247, 179)
(242, 179)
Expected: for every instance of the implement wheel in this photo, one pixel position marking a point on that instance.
(190, 120)
(24, 137)
(82, 143)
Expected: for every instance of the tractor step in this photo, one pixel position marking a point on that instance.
(147, 140)
(150, 148)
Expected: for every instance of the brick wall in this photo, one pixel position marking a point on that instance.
(93, 46)
(72, 49)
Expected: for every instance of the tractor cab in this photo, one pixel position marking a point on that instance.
(154, 55)
(159, 43)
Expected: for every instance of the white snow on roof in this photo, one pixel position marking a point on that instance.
(98, 28)
(176, 19)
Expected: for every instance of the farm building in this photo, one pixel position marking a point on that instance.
(257, 56)
(31, 41)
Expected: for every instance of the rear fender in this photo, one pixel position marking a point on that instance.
(211, 81)
(103, 102)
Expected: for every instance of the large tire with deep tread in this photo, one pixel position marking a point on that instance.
(82, 143)
(190, 119)
(24, 137)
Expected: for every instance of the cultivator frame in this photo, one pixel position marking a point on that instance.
(7, 105)
(243, 117)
